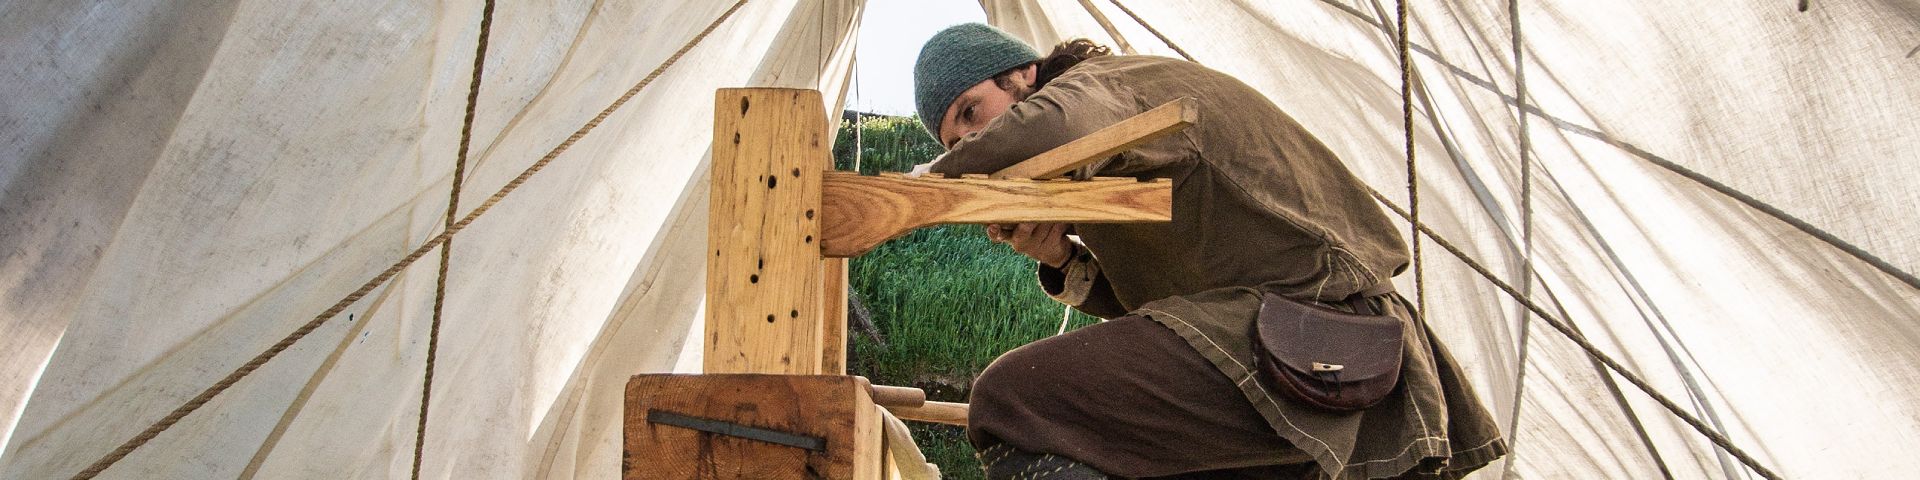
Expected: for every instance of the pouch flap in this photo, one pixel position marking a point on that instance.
(1312, 339)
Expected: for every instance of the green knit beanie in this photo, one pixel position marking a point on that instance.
(958, 58)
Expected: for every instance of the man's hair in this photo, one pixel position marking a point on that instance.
(1064, 56)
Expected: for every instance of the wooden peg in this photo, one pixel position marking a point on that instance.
(890, 396)
(934, 412)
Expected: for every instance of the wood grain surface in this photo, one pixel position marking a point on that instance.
(1161, 121)
(860, 212)
(833, 317)
(933, 412)
(835, 408)
(764, 276)
(891, 396)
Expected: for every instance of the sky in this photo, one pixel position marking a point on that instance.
(890, 37)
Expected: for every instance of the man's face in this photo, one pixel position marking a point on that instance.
(982, 103)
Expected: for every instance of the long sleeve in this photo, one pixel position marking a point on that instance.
(1080, 285)
(1068, 108)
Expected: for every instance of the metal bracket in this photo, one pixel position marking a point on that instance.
(736, 430)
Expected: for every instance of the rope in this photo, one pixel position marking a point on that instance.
(1634, 150)
(1796, 222)
(446, 250)
(207, 395)
(1581, 340)
(1525, 141)
(1651, 314)
(1526, 158)
(1413, 177)
(1562, 326)
(1155, 32)
(1526, 225)
(1101, 18)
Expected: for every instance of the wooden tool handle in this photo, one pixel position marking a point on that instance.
(861, 212)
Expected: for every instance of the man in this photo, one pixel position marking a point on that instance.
(1168, 386)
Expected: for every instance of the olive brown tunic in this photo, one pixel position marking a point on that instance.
(1259, 205)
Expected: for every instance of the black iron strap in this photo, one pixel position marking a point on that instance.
(736, 430)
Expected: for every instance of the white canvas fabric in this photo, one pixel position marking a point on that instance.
(183, 182)
(1803, 355)
(187, 181)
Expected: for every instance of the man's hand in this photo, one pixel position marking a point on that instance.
(1045, 242)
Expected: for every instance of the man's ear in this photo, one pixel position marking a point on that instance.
(1029, 74)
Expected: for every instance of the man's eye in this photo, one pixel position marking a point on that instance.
(967, 113)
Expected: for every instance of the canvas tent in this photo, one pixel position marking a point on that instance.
(183, 182)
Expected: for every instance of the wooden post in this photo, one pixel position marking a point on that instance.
(833, 322)
(775, 401)
(764, 280)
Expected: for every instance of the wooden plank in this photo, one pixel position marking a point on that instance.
(764, 280)
(833, 408)
(833, 322)
(860, 212)
(934, 412)
(869, 458)
(1161, 121)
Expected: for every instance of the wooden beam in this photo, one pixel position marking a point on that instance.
(860, 212)
(764, 278)
(933, 412)
(834, 410)
(1161, 121)
(870, 447)
(869, 452)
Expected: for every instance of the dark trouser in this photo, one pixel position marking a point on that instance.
(1130, 398)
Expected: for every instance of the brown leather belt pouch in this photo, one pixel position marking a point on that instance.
(1326, 358)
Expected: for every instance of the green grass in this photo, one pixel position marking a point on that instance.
(946, 300)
